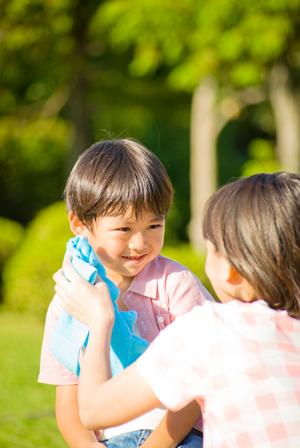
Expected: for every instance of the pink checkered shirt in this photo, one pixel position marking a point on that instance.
(241, 361)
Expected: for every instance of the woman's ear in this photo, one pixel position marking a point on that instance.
(239, 285)
(233, 277)
(228, 273)
(76, 225)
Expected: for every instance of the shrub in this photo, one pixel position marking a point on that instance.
(27, 277)
(11, 234)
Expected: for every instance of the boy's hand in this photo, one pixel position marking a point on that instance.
(88, 303)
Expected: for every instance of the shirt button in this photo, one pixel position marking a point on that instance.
(160, 319)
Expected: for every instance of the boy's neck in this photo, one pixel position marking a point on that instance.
(121, 282)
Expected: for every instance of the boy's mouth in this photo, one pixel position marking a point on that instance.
(134, 257)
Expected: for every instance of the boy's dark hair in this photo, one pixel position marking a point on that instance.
(113, 175)
(255, 223)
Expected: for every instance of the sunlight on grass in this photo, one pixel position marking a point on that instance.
(26, 407)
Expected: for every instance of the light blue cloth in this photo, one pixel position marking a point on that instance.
(70, 335)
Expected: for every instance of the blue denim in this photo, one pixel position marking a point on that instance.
(132, 439)
(135, 439)
(192, 440)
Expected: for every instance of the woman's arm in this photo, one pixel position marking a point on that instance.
(103, 401)
(125, 397)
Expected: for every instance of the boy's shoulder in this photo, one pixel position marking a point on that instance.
(165, 265)
(160, 272)
(166, 261)
(176, 277)
(170, 282)
(165, 270)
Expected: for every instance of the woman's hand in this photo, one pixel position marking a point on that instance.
(91, 304)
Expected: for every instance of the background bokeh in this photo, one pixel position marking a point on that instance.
(212, 87)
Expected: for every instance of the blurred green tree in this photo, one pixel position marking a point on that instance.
(261, 158)
(46, 62)
(36, 44)
(229, 54)
(61, 88)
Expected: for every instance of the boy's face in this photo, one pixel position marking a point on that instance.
(124, 244)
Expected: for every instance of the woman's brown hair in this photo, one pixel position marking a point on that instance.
(255, 223)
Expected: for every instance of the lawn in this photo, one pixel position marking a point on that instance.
(26, 407)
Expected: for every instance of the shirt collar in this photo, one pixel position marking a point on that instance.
(145, 283)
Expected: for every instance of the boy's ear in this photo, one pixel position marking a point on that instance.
(76, 225)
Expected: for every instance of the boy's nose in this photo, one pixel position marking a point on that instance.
(138, 242)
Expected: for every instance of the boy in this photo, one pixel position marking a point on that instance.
(118, 195)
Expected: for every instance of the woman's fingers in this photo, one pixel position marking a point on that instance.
(62, 295)
(84, 301)
(72, 306)
(70, 272)
(68, 279)
(60, 278)
(64, 290)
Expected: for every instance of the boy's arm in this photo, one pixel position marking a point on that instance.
(174, 427)
(68, 421)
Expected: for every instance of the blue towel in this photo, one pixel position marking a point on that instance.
(70, 335)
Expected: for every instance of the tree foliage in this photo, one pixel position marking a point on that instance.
(215, 49)
(35, 40)
(237, 41)
(62, 78)
(62, 88)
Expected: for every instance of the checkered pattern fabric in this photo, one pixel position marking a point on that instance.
(242, 363)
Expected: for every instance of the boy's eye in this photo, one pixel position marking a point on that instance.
(124, 229)
(154, 226)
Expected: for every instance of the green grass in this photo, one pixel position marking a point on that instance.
(26, 407)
